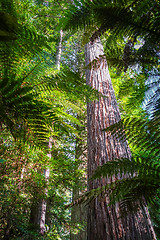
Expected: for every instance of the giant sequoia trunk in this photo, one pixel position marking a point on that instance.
(103, 221)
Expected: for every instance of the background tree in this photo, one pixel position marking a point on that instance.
(39, 97)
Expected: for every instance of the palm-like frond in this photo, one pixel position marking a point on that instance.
(24, 115)
(18, 39)
(139, 166)
(20, 108)
(142, 179)
(72, 83)
(129, 19)
(122, 17)
(141, 133)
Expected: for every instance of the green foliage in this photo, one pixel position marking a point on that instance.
(20, 111)
(132, 180)
(142, 179)
(73, 84)
(38, 102)
(139, 132)
(132, 20)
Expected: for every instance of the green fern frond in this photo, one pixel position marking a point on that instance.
(73, 84)
(78, 15)
(120, 16)
(141, 165)
(142, 181)
(139, 132)
(131, 20)
(8, 27)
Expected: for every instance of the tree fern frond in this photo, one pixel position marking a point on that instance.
(143, 181)
(141, 165)
(8, 27)
(138, 132)
(72, 83)
(78, 15)
(115, 15)
(130, 19)
(131, 192)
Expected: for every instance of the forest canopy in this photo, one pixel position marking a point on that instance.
(79, 119)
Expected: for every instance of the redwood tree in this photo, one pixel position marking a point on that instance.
(104, 222)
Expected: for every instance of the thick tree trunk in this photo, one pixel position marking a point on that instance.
(103, 221)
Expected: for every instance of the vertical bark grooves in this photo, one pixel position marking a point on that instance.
(103, 221)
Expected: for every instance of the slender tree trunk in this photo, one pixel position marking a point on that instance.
(44, 204)
(47, 171)
(59, 52)
(79, 213)
(104, 222)
(39, 208)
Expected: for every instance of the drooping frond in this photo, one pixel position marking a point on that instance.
(129, 19)
(142, 179)
(139, 132)
(140, 165)
(20, 111)
(78, 15)
(72, 83)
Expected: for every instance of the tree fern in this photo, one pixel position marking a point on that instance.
(129, 19)
(142, 175)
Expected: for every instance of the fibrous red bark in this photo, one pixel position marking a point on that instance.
(104, 222)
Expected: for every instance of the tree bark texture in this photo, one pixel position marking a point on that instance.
(104, 223)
